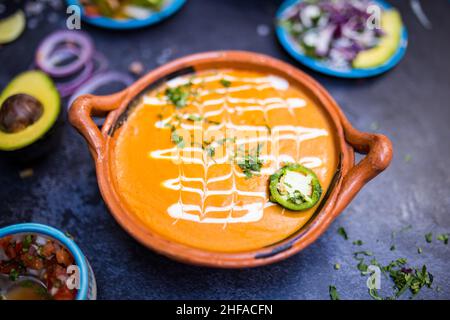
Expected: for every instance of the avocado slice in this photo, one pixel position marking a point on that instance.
(12, 27)
(40, 86)
(391, 24)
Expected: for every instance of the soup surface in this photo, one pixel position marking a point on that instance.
(193, 159)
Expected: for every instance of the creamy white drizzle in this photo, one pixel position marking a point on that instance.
(227, 105)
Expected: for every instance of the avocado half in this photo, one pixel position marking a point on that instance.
(12, 27)
(40, 86)
(391, 24)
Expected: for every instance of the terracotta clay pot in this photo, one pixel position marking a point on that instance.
(348, 180)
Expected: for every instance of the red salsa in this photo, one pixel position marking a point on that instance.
(38, 257)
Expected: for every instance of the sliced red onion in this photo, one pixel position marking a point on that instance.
(62, 54)
(98, 81)
(324, 40)
(69, 87)
(100, 61)
(50, 44)
(98, 64)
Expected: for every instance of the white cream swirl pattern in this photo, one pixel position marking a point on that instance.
(227, 105)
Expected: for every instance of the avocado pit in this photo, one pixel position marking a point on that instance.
(18, 112)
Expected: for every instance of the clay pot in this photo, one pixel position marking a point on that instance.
(348, 180)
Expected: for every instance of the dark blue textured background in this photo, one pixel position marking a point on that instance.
(410, 104)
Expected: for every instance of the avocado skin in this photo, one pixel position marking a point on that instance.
(39, 149)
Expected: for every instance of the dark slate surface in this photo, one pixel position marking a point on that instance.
(410, 104)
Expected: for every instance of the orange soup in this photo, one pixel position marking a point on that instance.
(193, 159)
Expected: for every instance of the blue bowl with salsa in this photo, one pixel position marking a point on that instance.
(87, 285)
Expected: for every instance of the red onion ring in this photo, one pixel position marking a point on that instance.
(62, 54)
(97, 65)
(97, 81)
(48, 46)
(67, 88)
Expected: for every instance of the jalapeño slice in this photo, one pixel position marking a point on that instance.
(295, 187)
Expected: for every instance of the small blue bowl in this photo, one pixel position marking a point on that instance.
(292, 48)
(88, 289)
(126, 24)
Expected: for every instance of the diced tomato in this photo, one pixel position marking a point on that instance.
(51, 258)
(7, 267)
(11, 252)
(63, 257)
(33, 262)
(5, 241)
(48, 249)
(65, 293)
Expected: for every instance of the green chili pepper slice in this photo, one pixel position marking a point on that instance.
(295, 187)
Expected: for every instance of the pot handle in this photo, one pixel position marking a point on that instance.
(379, 154)
(86, 106)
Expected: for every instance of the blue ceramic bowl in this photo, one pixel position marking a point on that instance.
(125, 24)
(293, 49)
(87, 281)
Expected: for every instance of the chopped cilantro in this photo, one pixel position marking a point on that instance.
(13, 274)
(392, 248)
(337, 266)
(211, 151)
(341, 231)
(443, 238)
(374, 294)
(362, 267)
(178, 96)
(27, 241)
(333, 293)
(358, 242)
(429, 237)
(363, 253)
(177, 139)
(419, 250)
(410, 278)
(251, 163)
(194, 117)
(226, 83)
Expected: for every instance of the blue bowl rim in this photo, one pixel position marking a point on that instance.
(285, 40)
(51, 232)
(109, 23)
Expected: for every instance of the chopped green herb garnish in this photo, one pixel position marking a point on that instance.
(226, 83)
(341, 231)
(27, 241)
(362, 267)
(374, 294)
(212, 121)
(68, 235)
(363, 253)
(358, 242)
(443, 237)
(177, 139)
(392, 248)
(13, 274)
(251, 163)
(419, 250)
(178, 96)
(194, 117)
(337, 266)
(333, 293)
(211, 151)
(429, 237)
(410, 278)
